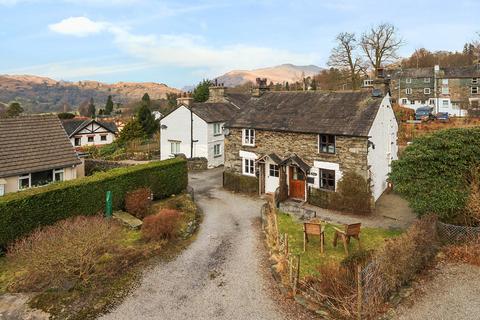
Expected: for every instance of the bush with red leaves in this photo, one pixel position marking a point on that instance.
(163, 225)
(138, 201)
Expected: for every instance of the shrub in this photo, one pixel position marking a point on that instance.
(432, 173)
(22, 212)
(71, 252)
(137, 202)
(472, 208)
(464, 253)
(353, 194)
(163, 225)
(239, 183)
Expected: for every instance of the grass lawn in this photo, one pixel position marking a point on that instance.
(80, 301)
(371, 238)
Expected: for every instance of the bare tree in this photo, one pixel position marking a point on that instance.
(345, 57)
(381, 44)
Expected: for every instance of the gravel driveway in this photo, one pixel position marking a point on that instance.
(453, 294)
(218, 276)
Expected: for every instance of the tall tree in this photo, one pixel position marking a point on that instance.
(146, 100)
(381, 44)
(91, 109)
(201, 91)
(14, 110)
(345, 56)
(147, 120)
(132, 130)
(109, 106)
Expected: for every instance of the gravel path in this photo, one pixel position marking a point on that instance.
(218, 276)
(453, 294)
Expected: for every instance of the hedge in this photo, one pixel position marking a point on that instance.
(240, 183)
(22, 212)
(433, 172)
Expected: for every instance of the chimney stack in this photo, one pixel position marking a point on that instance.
(185, 99)
(260, 88)
(216, 93)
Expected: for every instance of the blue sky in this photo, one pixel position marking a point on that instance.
(181, 42)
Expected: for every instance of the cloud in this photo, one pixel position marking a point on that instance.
(78, 26)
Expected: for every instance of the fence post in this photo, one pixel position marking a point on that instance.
(286, 244)
(297, 276)
(290, 266)
(359, 292)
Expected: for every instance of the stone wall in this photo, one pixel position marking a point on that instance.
(351, 152)
(196, 164)
(93, 165)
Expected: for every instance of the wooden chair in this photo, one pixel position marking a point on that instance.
(351, 231)
(317, 229)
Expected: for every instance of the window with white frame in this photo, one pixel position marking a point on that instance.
(24, 182)
(174, 147)
(445, 90)
(426, 91)
(431, 102)
(77, 141)
(367, 82)
(445, 103)
(248, 137)
(474, 90)
(58, 174)
(248, 167)
(445, 82)
(474, 80)
(408, 80)
(217, 129)
(404, 101)
(426, 80)
(103, 137)
(327, 179)
(217, 151)
(273, 171)
(408, 91)
(2, 189)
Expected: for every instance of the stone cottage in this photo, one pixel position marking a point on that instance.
(301, 143)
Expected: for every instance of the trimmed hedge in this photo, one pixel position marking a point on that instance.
(240, 183)
(22, 212)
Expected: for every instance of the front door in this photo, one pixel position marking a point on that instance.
(296, 183)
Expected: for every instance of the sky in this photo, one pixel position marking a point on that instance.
(181, 42)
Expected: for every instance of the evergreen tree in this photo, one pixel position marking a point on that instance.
(146, 100)
(287, 86)
(201, 91)
(147, 120)
(91, 109)
(313, 84)
(109, 106)
(132, 130)
(14, 110)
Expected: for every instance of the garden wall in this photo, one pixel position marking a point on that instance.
(239, 183)
(22, 212)
(195, 164)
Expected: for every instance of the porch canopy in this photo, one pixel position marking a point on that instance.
(296, 160)
(272, 156)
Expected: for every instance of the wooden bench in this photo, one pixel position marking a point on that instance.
(316, 229)
(351, 231)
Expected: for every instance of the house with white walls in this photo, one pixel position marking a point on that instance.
(301, 143)
(196, 129)
(90, 132)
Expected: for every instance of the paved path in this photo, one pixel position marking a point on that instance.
(218, 276)
(453, 294)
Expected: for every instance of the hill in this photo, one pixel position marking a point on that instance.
(279, 74)
(40, 94)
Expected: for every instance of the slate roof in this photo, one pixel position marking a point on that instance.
(445, 72)
(221, 111)
(339, 113)
(34, 143)
(72, 126)
(413, 73)
(462, 72)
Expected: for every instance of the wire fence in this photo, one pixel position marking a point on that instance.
(451, 234)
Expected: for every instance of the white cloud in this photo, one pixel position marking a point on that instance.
(78, 26)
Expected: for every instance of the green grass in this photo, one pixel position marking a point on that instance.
(371, 239)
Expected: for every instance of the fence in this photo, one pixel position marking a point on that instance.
(451, 234)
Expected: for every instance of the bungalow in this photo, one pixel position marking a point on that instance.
(34, 151)
(196, 129)
(89, 132)
(302, 142)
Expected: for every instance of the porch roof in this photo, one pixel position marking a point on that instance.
(297, 161)
(276, 159)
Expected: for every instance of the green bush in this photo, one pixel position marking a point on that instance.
(239, 183)
(22, 212)
(433, 172)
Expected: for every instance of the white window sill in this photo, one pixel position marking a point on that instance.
(248, 145)
(249, 174)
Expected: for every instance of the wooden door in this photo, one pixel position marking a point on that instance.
(296, 183)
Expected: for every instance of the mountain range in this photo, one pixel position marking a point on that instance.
(278, 74)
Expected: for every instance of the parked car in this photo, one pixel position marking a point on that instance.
(442, 116)
(424, 114)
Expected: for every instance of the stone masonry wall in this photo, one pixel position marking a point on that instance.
(351, 152)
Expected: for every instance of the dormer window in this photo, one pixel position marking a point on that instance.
(248, 137)
(326, 143)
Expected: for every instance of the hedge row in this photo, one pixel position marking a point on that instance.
(240, 183)
(22, 212)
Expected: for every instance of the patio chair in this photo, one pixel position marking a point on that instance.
(317, 229)
(351, 231)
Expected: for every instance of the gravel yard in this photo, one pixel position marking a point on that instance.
(452, 294)
(219, 276)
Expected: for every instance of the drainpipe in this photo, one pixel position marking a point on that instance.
(191, 131)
